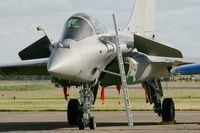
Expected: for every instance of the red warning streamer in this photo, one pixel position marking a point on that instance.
(102, 96)
(65, 92)
(118, 87)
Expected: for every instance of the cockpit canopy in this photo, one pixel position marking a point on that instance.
(81, 26)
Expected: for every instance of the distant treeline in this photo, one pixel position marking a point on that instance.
(25, 77)
(33, 77)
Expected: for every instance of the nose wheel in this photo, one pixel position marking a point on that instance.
(92, 124)
(73, 111)
(79, 114)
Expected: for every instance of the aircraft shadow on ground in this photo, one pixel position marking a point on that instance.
(31, 126)
(112, 124)
(39, 126)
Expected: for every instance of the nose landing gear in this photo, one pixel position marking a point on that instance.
(79, 114)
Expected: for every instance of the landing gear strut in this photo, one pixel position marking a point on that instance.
(87, 98)
(155, 92)
(79, 114)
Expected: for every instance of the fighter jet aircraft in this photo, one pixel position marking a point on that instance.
(89, 56)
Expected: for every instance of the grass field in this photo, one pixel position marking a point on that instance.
(44, 96)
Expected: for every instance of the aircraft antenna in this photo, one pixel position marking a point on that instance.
(40, 28)
(123, 76)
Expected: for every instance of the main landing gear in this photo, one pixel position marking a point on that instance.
(154, 91)
(79, 114)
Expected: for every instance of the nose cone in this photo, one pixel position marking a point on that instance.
(63, 64)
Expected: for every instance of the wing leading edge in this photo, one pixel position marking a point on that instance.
(30, 67)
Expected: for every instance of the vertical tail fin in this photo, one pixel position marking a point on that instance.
(142, 18)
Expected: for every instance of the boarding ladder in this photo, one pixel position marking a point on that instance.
(123, 76)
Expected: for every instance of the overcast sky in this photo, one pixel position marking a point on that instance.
(177, 21)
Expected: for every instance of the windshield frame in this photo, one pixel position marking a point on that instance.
(95, 27)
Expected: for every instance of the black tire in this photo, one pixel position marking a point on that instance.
(73, 111)
(81, 125)
(92, 123)
(168, 110)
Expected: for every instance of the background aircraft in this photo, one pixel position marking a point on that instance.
(89, 56)
(187, 69)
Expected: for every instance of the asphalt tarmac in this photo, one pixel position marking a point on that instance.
(112, 122)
